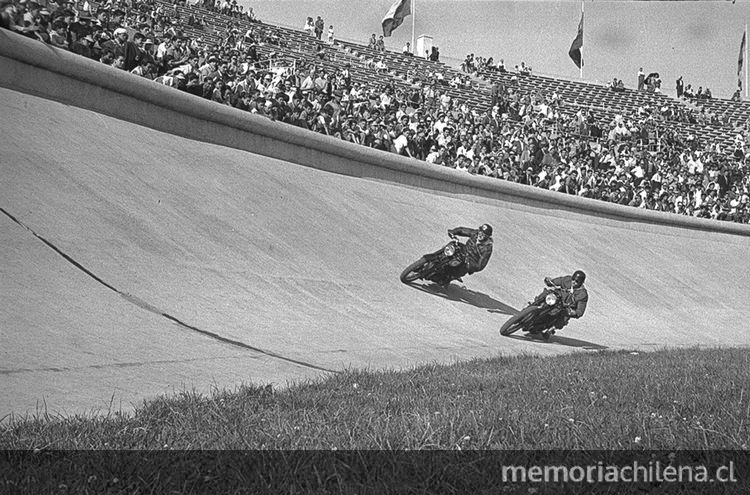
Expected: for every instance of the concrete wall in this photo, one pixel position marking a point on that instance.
(35, 68)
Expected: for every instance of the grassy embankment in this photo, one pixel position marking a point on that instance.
(683, 399)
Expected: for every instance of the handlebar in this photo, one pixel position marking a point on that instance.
(567, 307)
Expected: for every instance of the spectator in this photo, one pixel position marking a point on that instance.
(118, 61)
(247, 85)
(434, 54)
(319, 26)
(81, 28)
(143, 69)
(84, 46)
(322, 83)
(120, 46)
(309, 26)
(308, 83)
(58, 37)
(403, 144)
(380, 45)
(115, 20)
(210, 70)
(193, 85)
(380, 65)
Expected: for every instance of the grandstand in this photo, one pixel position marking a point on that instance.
(604, 103)
(575, 94)
(300, 46)
(641, 110)
(736, 111)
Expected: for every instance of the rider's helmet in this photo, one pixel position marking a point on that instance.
(486, 229)
(579, 278)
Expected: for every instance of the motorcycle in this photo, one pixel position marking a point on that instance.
(437, 267)
(538, 319)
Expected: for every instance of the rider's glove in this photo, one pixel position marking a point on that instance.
(548, 281)
(571, 312)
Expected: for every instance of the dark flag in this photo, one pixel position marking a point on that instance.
(575, 47)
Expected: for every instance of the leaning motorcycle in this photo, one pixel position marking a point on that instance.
(438, 266)
(538, 319)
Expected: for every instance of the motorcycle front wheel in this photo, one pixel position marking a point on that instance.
(518, 321)
(413, 271)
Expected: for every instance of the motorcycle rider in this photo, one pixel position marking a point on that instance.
(478, 249)
(575, 296)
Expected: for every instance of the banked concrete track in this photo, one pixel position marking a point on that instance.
(135, 262)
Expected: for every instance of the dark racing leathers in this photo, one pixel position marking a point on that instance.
(574, 299)
(477, 253)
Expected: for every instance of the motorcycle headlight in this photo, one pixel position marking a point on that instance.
(551, 299)
(449, 250)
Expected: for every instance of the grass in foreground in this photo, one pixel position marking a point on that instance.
(683, 399)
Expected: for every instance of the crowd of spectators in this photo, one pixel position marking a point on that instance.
(317, 27)
(650, 83)
(475, 65)
(688, 93)
(224, 7)
(617, 85)
(532, 139)
(376, 43)
(684, 110)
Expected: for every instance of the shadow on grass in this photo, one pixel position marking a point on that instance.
(560, 340)
(457, 293)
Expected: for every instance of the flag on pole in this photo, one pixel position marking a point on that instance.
(575, 47)
(395, 16)
(741, 60)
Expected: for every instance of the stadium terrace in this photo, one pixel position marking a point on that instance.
(635, 147)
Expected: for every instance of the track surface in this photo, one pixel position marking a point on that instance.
(136, 263)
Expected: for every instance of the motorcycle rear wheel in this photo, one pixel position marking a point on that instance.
(518, 321)
(413, 272)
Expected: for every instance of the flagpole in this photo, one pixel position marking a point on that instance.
(582, 35)
(413, 21)
(745, 61)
